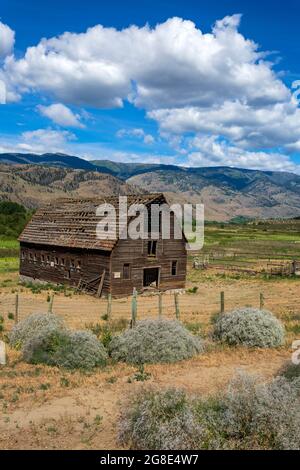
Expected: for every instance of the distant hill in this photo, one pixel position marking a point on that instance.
(33, 185)
(226, 192)
(126, 170)
(50, 159)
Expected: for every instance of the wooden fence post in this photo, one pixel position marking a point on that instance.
(222, 302)
(17, 309)
(261, 301)
(160, 305)
(108, 311)
(177, 311)
(134, 308)
(50, 308)
(2, 353)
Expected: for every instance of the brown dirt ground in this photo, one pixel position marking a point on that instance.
(46, 408)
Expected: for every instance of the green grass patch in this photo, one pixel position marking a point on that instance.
(274, 236)
(9, 244)
(37, 288)
(9, 264)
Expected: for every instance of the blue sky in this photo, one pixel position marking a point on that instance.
(188, 82)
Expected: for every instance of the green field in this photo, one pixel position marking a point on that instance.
(9, 255)
(245, 242)
(275, 238)
(13, 218)
(9, 244)
(9, 264)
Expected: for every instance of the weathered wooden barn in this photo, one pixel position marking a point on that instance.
(59, 245)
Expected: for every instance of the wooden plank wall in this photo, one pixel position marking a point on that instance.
(135, 252)
(92, 264)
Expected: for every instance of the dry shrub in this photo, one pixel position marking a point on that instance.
(68, 349)
(290, 371)
(44, 339)
(159, 420)
(261, 416)
(31, 326)
(249, 327)
(154, 341)
(249, 415)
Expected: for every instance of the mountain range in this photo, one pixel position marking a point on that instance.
(226, 192)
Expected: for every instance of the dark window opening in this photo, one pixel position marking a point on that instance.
(151, 277)
(152, 247)
(42, 258)
(34, 257)
(78, 264)
(56, 261)
(174, 268)
(126, 271)
(48, 259)
(22, 255)
(72, 263)
(62, 261)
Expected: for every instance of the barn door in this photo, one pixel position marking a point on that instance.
(151, 277)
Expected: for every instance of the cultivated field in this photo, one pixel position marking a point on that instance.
(48, 408)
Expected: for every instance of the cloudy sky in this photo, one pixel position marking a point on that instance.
(195, 83)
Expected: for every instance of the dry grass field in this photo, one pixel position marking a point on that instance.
(48, 408)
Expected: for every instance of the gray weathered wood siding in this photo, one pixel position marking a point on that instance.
(92, 264)
(135, 252)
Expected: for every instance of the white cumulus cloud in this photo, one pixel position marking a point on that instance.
(182, 66)
(137, 133)
(2, 92)
(39, 141)
(269, 126)
(212, 151)
(45, 140)
(61, 115)
(7, 40)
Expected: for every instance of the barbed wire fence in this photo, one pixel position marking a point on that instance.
(80, 310)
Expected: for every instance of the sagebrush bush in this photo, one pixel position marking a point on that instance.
(290, 371)
(249, 415)
(82, 350)
(42, 347)
(153, 341)
(159, 420)
(261, 416)
(31, 326)
(62, 348)
(249, 327)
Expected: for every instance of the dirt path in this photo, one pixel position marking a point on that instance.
(86, 417)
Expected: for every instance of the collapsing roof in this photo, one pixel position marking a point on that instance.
(72, 223)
